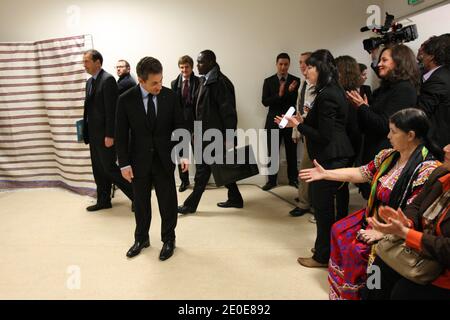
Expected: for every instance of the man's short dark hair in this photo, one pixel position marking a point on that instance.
(209, 55)
(148, 65)
(283, 55)
(95, 55)
(126, 63)
(186, 60)
(435, 47)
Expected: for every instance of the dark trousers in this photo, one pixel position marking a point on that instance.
(396, 287)
(202, 175)
(166, 194)
(323, 195)
(291, 154)
(106, 172)
(184, 176)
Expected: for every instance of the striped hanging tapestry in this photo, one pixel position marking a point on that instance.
(42, 89)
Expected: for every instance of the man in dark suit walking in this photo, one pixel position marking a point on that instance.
(280, 92)
(146, 118)
(98, 130)
(216, 109)
(186, 87)
(434, 97)
(125, 80)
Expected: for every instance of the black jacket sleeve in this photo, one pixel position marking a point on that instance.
(376, 120)
(327, 108)
(122, 133)
(110, 95)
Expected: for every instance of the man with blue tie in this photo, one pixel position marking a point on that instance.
(147, 115)
(98, 130)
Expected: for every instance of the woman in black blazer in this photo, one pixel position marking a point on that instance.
(328, 142)
(399, 72)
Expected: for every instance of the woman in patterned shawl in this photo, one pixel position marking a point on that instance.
(396, 176)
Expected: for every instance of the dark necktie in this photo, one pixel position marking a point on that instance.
(185, 92)
(91, 87)
(302, 97)
(151, 113)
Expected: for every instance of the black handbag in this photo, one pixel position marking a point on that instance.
(242, 166)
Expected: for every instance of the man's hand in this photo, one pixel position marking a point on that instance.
(184, 165)
(293, 86)
(127, 173)
(109, 142)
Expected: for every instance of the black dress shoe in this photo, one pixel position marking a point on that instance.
(230, 204)
(268, 186)
(294, 184)
(99, 206)
(298, 212)
(167, 250)
(185, 209)
(137, 247)
(184, 186)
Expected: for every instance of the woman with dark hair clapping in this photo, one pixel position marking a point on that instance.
(328, 142)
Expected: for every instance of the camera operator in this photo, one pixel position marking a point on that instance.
(434, 96)
(399, 72)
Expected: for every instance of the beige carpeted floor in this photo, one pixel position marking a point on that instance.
(51, 248)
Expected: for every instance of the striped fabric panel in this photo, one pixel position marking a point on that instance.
(42, 88)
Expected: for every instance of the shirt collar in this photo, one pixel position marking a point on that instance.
(96, 75)
(427, 75)
(145, 93)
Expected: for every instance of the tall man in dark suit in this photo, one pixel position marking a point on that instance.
(434, 97)
(280, 92)
(149, 113)
(125, 80)
(98, 130)
(216, 109)
(186, 87)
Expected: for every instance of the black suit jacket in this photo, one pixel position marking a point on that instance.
(278, 105)
(216, 105)
(137, 141)
(434, 99)
(124, 83)
(374, 120)
(325, 127)
(100, 109)
(187, 106)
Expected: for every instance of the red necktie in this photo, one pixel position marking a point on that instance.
(185, 93)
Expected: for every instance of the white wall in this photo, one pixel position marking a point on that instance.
(439, 17)
(245, 34)
(401, 9)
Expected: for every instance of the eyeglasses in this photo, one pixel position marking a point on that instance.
(120, 67)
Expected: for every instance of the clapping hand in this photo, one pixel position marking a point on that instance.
(356, 99)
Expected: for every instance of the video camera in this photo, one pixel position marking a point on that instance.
(391, 32)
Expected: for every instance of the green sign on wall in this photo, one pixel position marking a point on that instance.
(414, 2)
